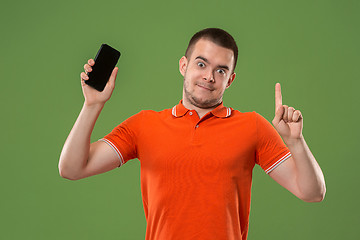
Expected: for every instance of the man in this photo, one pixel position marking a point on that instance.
(197, 157)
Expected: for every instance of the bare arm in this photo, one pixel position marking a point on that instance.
(300, 174)
(78, 157)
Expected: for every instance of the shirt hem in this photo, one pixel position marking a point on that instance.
(278, 162)
(112, 145)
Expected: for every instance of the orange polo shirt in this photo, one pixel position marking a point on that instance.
(196, 173)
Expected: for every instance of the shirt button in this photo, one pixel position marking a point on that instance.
(197, 126)
(190, 113)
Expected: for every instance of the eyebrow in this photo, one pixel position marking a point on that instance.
(207, 61)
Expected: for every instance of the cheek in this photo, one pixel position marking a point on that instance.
(221, 88)
(193, 74)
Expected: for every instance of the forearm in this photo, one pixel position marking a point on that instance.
(309, 177)
(75, 152)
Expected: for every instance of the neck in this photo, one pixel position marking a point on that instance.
(200, 111)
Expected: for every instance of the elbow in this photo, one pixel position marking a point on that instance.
(317, 197)
(65, 174)
(69, 177)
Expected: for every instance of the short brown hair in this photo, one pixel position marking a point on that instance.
(217, 36)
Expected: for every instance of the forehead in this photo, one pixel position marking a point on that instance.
(213, 52)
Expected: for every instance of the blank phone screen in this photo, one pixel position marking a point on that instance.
(105, 61)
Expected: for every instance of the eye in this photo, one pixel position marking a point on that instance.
(201, 64)
(221, 71)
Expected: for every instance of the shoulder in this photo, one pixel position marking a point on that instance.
(251, 119)
(249, 116)
(260, 119)
(154, 114)
(147, 116)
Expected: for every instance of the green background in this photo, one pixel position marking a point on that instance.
(311, 47)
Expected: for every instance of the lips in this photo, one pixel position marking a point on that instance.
(205, 87)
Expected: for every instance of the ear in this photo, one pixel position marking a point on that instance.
(183, 65)
(231, 79)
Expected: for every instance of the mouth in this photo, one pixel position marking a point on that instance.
(204, 87)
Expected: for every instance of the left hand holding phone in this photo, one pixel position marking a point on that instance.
(93, 96)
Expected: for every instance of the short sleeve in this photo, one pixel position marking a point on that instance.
(123, 139)
(271, 151)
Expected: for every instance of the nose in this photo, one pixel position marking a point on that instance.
(209, 76)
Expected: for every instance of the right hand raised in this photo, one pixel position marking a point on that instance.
(93, 96)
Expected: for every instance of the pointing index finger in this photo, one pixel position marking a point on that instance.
(278, 97)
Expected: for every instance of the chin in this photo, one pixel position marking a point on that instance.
(205, 103)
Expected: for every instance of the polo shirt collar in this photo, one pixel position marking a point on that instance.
(220, 111)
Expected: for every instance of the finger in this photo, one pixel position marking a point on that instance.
(285, 115)
(91, 62)
(84, 76)
(278, 97)
(278, 115)
(113, 76)
(87, 68)
(290, 113)
(297, 116)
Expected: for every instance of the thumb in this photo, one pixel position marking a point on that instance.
(113, 76)
(278, 115)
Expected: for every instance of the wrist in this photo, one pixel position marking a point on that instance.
(93, 106)
(292, 142)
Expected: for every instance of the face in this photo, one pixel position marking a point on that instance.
(207, 73)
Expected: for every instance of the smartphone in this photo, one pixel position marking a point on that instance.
(105, 61)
